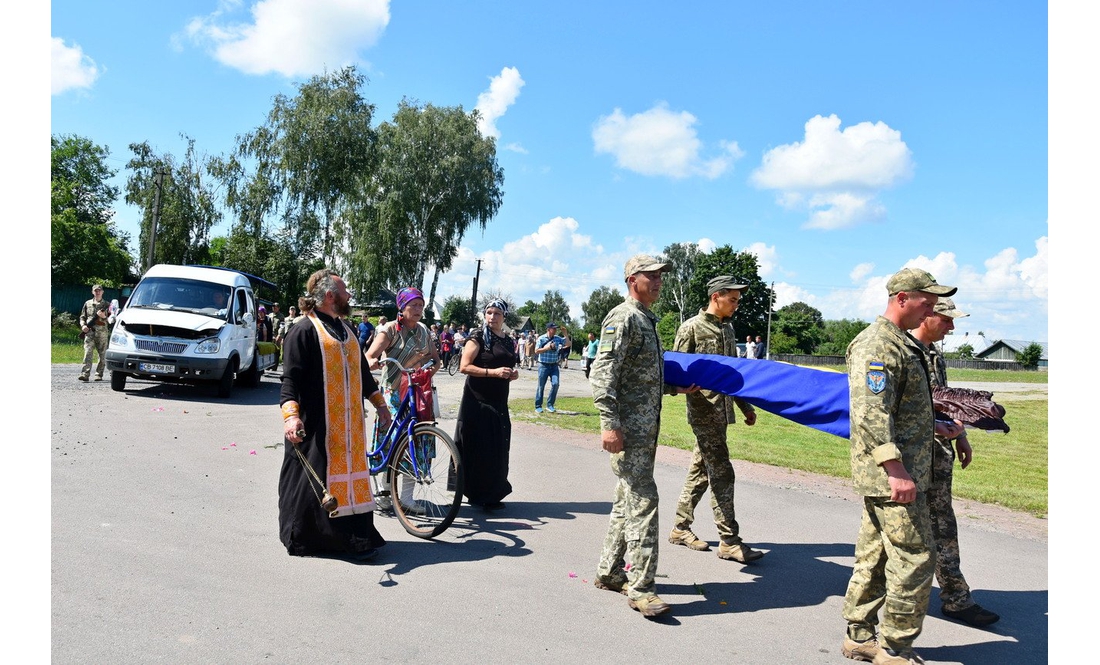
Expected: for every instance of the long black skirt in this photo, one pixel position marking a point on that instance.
(484, 437)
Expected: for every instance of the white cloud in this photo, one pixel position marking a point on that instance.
(1006, 297)
(786, 294)
(835, 174)
(516, 147)
(767, 258)
(660, 142)
(491, 104)
(706, 245)
(292, 37)
(70, 68)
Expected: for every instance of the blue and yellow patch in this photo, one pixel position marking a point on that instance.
(607, 339)
(876, 376)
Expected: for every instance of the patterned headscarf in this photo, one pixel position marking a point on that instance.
(407, 295)
(503, 307)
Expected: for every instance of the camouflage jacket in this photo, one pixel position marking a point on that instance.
(88, 313)
(937, 368)
(705, 333)
(628, 374)
(891, 407)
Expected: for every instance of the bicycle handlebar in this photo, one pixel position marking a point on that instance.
(427, 365)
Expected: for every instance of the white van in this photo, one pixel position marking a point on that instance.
(188, 324)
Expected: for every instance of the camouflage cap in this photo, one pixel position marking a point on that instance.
(644, 263)
(97, 287)
(724, 283)
(946, 306)
(915, 279)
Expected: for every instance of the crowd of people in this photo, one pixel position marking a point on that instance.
(902, 457)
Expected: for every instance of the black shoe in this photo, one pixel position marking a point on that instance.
(493, 507)
(82, 378)
(364, 555)
(975, 615)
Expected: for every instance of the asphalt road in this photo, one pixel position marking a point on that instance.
(164, 548)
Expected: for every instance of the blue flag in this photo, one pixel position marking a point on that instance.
(810, 397)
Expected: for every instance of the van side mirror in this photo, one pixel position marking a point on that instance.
(246, 319)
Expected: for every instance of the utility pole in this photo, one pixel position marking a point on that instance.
(771, 306)
(159, 180)
(473, 300)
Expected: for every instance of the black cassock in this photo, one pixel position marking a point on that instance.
(304, 527)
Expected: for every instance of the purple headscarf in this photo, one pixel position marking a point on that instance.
(407, 295)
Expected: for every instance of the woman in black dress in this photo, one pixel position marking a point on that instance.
(484, 431)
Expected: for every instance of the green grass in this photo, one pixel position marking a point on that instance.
(1008, 470)
(65, 347)
(995, 376)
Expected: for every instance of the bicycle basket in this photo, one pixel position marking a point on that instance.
(423, 393)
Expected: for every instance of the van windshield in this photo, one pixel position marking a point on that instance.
(187, 295)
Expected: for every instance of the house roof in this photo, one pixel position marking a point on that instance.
(1016, 345)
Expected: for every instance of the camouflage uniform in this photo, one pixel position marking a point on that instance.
(97, 337)
(627, 382)
(709, 412)
(954, 591)
(891, 415)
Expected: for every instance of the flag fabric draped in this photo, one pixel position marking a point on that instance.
(810, 397)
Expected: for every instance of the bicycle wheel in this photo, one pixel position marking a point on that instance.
(426, 500)
(452, 364)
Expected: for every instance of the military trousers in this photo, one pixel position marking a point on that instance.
(633, 527)
(954, 591)
(710, 465)
(895, 563)
(95, 340)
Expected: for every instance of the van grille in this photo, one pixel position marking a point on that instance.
(160, 347)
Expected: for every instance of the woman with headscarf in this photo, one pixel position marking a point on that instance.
(407, 341)
(484, 431)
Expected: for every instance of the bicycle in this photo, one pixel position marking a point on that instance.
(452, 364)
(418, 454)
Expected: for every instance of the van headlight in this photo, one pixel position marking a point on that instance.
(208, 345)
(119, 339)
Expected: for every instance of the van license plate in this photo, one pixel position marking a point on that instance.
(156, 368)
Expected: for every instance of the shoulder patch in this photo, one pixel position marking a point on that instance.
(876, 376)
(607, 339)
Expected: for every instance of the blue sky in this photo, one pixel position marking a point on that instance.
(838, 142)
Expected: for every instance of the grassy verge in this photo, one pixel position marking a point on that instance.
(65, 347)
(995, 376)
(1008, 469)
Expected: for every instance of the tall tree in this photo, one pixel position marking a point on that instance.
(838, 334)
(186, 197)
(599, 303)
(437, 177)
(676, 295)
(85, 245)
(801, 323)
(752, 314)
(459, 311)
(555, 309)
(302, 172)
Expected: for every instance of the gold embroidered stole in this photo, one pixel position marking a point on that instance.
(347, 475)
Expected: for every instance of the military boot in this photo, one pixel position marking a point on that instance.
(864, 651)
(649, 606)
(688, 539)
(739, 552)
(891, 657)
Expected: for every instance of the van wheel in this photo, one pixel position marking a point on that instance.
(225, 384)
(118, 381)
(250, 378)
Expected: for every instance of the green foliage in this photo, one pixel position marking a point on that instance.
(303, 172)
(187, 203)
(667, 327)
(437, 177)
(62, 319)
(781, 342)
(1030, 356)
(459, 311)
(599, 303)
(676, 293)
(801, 323)
(839, 333)
(85, 246)
(752, 314)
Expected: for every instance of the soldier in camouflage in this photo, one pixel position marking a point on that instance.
(709, 413)
(627, 382)
(93, 324)
(892, 430)
(955, 597)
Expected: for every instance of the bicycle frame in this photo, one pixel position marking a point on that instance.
(404, 420)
